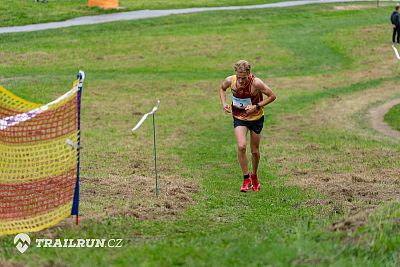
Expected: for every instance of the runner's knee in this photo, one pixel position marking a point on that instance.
(255, 152)
(242, 147)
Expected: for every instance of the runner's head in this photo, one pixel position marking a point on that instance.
(242, 71)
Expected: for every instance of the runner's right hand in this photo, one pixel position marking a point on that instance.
(227, 108)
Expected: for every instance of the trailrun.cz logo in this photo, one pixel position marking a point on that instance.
(22, 242)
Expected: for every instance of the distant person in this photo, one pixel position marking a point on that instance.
(395, 19)
(248, 115)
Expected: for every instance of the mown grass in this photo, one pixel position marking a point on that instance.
(24, 12)
(131, 64)
(393, 117)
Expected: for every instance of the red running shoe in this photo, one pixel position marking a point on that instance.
(255, 183)
(246, 185)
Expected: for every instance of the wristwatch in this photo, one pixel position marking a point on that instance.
(258, 106)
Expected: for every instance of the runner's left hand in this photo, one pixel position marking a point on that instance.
(250, 109)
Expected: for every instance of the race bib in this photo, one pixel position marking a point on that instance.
(241, 103)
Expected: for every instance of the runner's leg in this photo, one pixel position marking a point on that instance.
(255, 150)
(240, 133)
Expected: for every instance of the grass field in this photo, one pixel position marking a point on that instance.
(24, 12)
(393, 117)
(330, 183)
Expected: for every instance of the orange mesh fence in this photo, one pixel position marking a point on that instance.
(46, 126)
(39, 170)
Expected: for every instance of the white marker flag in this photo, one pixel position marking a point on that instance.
(145, 116)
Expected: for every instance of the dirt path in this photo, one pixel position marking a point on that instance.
(377, 114)
(320, 150)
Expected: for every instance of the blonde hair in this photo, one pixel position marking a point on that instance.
(242, 66)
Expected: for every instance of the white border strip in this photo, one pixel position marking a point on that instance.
(145, 116)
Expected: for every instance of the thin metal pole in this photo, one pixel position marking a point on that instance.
(155, 152)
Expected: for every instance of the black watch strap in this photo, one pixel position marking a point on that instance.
(258, 106)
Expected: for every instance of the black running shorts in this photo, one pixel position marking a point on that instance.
(255, 126)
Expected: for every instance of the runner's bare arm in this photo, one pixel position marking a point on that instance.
(263, 88)
(222, 94)
(266, 91)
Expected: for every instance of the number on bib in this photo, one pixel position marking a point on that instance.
(241, 103)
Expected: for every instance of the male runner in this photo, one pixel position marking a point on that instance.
(248, 114)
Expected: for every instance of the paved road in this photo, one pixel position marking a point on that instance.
(144, 14)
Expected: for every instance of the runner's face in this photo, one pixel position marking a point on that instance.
(242, 78)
